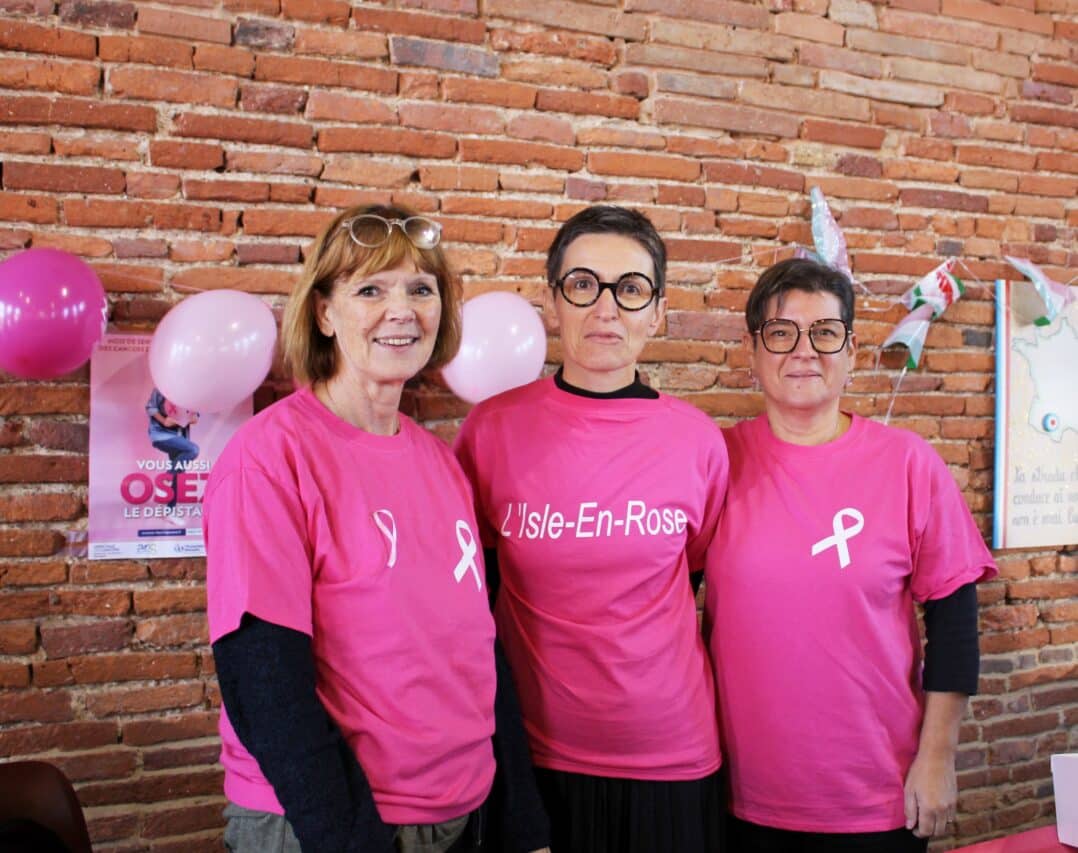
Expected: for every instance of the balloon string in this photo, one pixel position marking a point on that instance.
(894, 393)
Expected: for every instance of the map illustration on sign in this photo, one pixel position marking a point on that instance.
(1036, 470)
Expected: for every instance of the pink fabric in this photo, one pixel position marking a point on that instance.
(367, 543)
(818, 665)
(599, 510)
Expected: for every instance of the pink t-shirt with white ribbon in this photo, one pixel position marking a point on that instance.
(368, 544)
(599, 509)
(820, 554)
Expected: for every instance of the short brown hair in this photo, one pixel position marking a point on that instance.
(335, 256)
(797, 274)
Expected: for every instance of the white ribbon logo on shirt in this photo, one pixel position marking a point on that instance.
(468, 550)
(842, 534)
(389, 530)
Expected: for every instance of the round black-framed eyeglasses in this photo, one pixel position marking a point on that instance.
(827, 336)
(582, 287)
(372, 231)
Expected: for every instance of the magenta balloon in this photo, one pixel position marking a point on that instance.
(52, 313)
(213, 349)
(503, 345)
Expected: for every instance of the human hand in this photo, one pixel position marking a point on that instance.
(931, 795)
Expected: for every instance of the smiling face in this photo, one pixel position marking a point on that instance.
(602, 342)
(802, 381)
(384, 325)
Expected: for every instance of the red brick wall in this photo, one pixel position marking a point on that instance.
(200, 143)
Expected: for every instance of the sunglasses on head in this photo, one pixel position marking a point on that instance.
(372, 231)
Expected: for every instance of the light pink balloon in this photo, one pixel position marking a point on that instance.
(52, 313)
(503, 345)
(213, 349)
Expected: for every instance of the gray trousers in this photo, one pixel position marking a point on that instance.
(250, 831)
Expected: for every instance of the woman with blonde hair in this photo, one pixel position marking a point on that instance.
(347, 609)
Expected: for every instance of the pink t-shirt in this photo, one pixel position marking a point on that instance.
(367, 543)
(820, 553)
(599, 509)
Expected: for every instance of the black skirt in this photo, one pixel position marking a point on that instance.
(598, 814)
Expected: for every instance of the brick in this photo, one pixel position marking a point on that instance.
(302, 70)
(72, 112)
(521, 153)
(264, 35)
(453, 118)
(696, 84)
(702, 250)
(262, 253)
(165, 729)
(571, 45)
(442, 28)
(896, 45)
(1050, 72)
(70, 78)
(946, 75)
(26, 143)
(152, 185)
(497, 92)
(281, 222)
(195, 156)
(275, 163)
(724, 117)
(220, 190)
(39, 706)
(505, 208)
(852, 62)
(19, 207)
(61, 641)
(1057, 161)
(98, 13)
(858, 136)
(616, 137)
(573, 16)
(182, 25)
(283, 100)
(174, 86)
(943, 199)
(643, 165)
(458, 178)
(555, 72)
(1001, 16)
(388, 140)
(883, 90)
(183, 820)
(336, 106)
(544, 128)
(708, 37)
(1006, 158)
(810, 27)
(701, 60)
(713, 11)
(443, 55)
(1048, 185)
(352, 45)
(332, 12)
(259, 131)
(144, 699)
(55, 41)
(42, 469)
(224, 60)
(248, 280)
(150, 50)
(937, 28)
(722, 172)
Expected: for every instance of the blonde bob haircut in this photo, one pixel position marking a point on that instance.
(334, 258)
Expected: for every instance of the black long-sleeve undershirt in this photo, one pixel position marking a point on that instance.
(267, 678)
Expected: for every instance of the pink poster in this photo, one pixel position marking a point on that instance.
(149, 458)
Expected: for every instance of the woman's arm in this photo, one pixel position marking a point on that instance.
(267, 678)
(931, 787)
(952, 661)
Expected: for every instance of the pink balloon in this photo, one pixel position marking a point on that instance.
(213, 349)
(52, 313)
(503, 345)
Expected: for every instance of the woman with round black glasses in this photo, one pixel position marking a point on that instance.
(597, 498)
(353, 639)
(834, 526)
